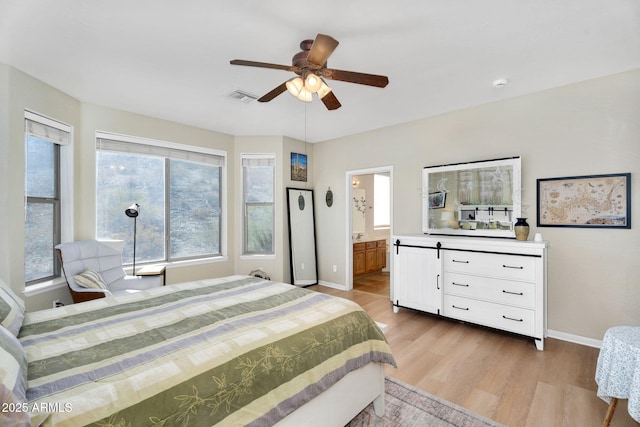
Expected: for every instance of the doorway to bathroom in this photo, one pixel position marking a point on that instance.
(370, 201)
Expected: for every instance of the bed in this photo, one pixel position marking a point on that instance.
(238, 350)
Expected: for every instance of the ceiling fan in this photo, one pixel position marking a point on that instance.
(311, 66)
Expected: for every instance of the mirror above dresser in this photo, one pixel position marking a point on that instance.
(472, 199)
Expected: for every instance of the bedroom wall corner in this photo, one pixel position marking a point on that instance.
(25, 92)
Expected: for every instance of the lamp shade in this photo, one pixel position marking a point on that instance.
(323, 90)
(312, 83)
(305, 95)
(294, 86)
(133, 211)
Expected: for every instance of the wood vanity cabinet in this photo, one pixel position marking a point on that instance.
(499, 283)
(359, 257)
(369, 257)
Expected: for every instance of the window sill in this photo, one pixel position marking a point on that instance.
(184, 263)
(258, 256)
(49, 285)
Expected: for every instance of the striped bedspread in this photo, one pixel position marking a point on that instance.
(236, 351)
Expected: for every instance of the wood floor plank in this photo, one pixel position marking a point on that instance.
(495, 374)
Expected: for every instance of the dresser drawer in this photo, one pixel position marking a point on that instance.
(521, 294)
(513, 319)
(511, 267)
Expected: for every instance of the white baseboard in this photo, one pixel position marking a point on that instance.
(332, 285)
(577, 339)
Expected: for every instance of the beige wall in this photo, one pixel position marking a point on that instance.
(582, 129)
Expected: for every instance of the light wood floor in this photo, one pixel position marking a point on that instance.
(497, 375)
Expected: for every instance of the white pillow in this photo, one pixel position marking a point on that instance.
(11, 309)
(90, 279)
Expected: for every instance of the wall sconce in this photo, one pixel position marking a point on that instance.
(355, 182)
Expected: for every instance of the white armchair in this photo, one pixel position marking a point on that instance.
(105, 258)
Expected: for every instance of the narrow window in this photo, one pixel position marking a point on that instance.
(43, 140)
(381, 201)
(258, 178)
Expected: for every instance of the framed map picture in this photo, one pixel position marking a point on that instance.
(595, 201)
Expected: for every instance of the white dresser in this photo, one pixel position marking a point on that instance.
(499, 283)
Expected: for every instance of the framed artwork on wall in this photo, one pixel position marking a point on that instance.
(593, 201)
(298, 167)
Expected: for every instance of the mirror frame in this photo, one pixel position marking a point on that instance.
(302, 236)
(516, 183)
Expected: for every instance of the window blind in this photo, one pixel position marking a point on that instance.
(122, 146)
(47, 129)
(256, 160)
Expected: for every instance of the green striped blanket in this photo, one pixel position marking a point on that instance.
(236, 351)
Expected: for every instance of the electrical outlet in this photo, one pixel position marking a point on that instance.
(335, 268)
(302, 266)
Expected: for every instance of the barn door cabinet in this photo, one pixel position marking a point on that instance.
(499, 283)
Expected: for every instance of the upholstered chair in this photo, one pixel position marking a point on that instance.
(81, 260)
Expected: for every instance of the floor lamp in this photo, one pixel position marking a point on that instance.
(132, 212)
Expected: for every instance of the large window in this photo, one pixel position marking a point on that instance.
(43, 140)
(178, 189)
(258, 178)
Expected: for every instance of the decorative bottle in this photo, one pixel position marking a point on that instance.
(522, 229)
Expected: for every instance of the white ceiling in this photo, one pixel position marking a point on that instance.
(170, 58)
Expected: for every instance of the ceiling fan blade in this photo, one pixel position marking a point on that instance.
(322, 47)
(330, 101)
(354, 77)
(265, 65)
(275, 92)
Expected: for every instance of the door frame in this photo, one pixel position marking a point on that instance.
(349, 219)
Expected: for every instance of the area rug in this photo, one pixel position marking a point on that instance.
(407, 406)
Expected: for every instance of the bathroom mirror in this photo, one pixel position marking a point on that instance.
(472, 199)
(302, 237)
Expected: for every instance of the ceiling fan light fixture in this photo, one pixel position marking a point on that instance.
(295, 86)
(323, 90)
(305, 95)
(312, 83)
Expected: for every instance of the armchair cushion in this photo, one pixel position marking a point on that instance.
(90, 279)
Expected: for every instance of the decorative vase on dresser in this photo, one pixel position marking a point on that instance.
(521, 228)
(499, 283)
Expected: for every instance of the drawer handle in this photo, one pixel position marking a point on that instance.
(513, 293)
(513, 266)
(460, 308)
(511, 318)
(460, 284)
(462, 262)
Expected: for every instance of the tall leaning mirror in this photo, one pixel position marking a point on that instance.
(472, 199)
(302, 237)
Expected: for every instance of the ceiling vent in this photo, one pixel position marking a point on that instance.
(242, 96)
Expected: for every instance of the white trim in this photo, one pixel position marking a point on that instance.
(349, 214)
(332, 285)
(576, 339)
(43, 287)
(45, 120)
(258, 256)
